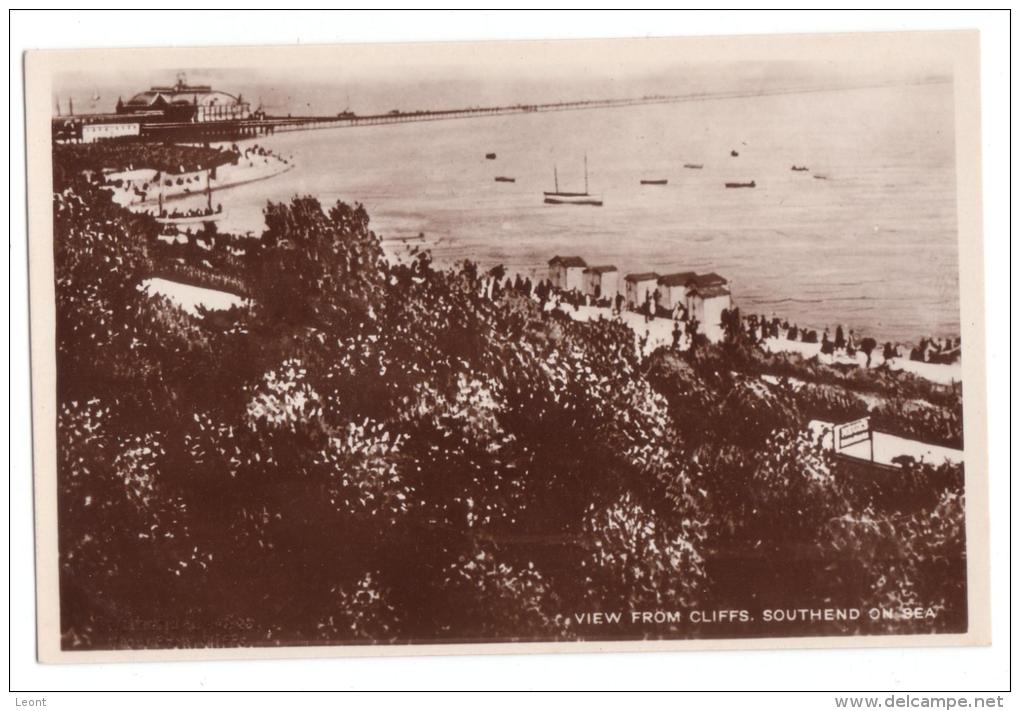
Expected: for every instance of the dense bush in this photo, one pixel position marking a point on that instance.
(70, 160)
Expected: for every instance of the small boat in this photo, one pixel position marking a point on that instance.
(556, 197)
(821, 177)
(734, 154)
(799, 168)
(490, 156)
(190, 219)
(573, 201)
(693, 166)
(658, 181)
(750, 184)
(504, 179)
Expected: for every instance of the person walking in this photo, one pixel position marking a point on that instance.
(827, 346)
(888, 352)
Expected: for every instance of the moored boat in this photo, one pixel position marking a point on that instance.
(490, 156)
(573, 200)
(190, 219)
(556, 197)
(657, 181)
(799, 168)
(693, 166)
(749, 184)
(505, 179)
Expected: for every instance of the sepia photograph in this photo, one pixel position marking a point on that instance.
(531, 346)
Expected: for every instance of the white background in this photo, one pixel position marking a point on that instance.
(915, 670)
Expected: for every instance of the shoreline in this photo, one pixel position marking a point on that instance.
(656, 335)
(397, 246)
(658, 332)
(212, 188)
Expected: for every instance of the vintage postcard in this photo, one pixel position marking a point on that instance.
(508, 347)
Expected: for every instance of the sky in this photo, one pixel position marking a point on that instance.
(378, 78)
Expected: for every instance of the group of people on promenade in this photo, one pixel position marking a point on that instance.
(757, 327)
(846, 342)
(936, 350)
(546, 293)
(651, 307)
(255, 151)
(177, 214)
(685, 325)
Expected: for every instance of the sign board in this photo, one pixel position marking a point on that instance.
(853, 432)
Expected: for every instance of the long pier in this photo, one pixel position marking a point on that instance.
(279, 124)
(301, 123)
(229, 130)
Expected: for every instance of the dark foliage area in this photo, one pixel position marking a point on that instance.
(909, 406)
(70, 160)
(377, 453)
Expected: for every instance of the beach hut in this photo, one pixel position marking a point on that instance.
(673, 289)
(567, 273)
(601, 282)
(637, 287)
(707, 296)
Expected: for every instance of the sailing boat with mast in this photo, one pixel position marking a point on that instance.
(556, 197)
(194, 216)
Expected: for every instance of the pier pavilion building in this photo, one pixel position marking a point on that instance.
(186, 103)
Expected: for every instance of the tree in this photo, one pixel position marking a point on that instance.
(318, 268)
(639, 561)
(868, 344)
(488, 598)
(894, 562)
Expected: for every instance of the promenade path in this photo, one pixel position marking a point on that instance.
(660, 333)
(888, 446)
(189, 298)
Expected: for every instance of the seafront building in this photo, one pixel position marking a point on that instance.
(673, 289)
(184, 103)
(567, 273)
(602, 282)
(638, 287)
(708, 295)
(178, 112)
(90, 128)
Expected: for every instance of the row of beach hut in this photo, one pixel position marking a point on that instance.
(704, 296)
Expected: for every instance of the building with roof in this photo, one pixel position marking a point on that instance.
(710, 279)
(602, 282)
(92, 132)
(567, 273)
(90, 128)
(186, 103)
(708, 295)
(638, 287)
(673, 289)
(704, 296)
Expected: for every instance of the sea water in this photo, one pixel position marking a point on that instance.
(871, 243)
